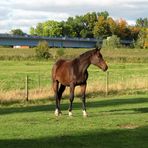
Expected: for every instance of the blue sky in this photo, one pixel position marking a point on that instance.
(24, 14)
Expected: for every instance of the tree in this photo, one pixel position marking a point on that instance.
(142, 22)
(89, 21)
(103, 13)
(66, 29)
(39, 29)
(112, 25)
(77, 25)
(51, 28)
(48, 28)
(134, 31)
(142, 38)
(101, 28)
(122, 29)
(17, 32)
(32, 31)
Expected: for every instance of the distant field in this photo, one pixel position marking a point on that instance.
(128, 72)
(114, 122)
(126, 78)
(114, 55)
(12, 53)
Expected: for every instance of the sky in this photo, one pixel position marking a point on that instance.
(23, 14)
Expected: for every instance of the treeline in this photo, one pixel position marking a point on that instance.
(90, 25)
(93, 25)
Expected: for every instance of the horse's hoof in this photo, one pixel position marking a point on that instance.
(70, 114)
(85, 113)
(57, 112)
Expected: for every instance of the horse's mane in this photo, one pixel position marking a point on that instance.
(87, 53)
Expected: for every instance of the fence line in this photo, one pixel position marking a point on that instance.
(26, 88)
(39, 86)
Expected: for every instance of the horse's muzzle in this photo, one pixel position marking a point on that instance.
(105, 68)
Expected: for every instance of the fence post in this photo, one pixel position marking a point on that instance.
(26, 88)
(107, 82)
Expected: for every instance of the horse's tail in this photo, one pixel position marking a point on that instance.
(53, 72)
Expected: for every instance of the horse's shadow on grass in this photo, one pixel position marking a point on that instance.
(119, 138)
(76, 105)
(130, 110)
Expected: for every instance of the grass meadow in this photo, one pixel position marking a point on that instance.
(124, 78)
(112, 122)
(117, 120)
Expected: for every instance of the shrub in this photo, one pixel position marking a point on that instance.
(111, 42)
(142, 41)
(60, 52)
(42, 50)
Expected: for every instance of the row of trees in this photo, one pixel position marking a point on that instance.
(90, 25)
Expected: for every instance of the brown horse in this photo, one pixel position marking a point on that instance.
(73, 73)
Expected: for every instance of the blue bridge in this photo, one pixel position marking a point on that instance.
(14, 40)
(31, 41)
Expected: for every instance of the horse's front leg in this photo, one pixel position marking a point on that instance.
(72, 88)
(83, 90)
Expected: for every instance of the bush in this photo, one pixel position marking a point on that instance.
(42, 50)
(112, 42)
(142, 38)
(59, 52)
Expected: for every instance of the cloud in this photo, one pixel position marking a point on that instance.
(24, 14)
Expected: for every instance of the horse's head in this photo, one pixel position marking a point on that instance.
(97, 59)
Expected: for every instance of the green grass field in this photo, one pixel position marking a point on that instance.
(13, 73)
(124, 75)
(115, 122)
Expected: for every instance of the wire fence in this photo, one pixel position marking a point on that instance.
(38, 86)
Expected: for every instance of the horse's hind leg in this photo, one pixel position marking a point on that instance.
(83, 90)
(55, 89)
(60, 92)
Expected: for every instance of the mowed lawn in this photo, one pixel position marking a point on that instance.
(113, 122)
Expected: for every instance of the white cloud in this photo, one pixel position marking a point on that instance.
(24, 14)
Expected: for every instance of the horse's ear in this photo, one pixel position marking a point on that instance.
(98, 48)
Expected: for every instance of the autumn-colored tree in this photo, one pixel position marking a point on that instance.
(122, 29)
(142, 40)
(112, 25)
(134, 31)
(101, 28)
